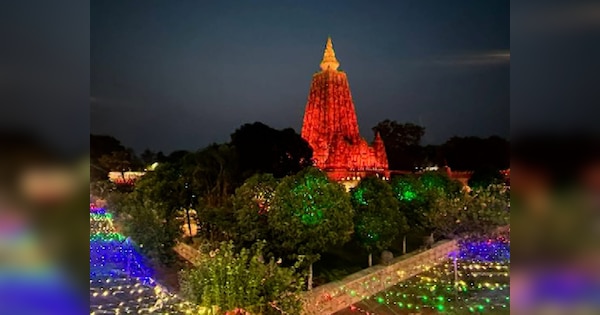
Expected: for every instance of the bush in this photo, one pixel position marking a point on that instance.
(243, 280)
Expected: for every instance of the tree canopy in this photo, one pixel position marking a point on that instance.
(471, 214)
(263, 149)
(251, 204)
(402, 143)
(310, 214)
(377, 221)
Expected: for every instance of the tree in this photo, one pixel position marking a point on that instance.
(402, 143)
(150, 224)
(417, 195)
(251, 204)
(310, 214)
(263, 149)
(471, 214)
(108, 154)
(104, 145)
(472, 153)
(102, 189)
(116, 161)
(484, 177)
(148, 157)
(212, 175)
(234, 281)
(377, 221)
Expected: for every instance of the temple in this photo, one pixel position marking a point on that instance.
(331, 128)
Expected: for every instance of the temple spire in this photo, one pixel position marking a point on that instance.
(329, 61)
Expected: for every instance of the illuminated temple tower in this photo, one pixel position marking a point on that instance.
(331, 128)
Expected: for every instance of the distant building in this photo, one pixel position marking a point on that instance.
(330, 127)
(125, 178)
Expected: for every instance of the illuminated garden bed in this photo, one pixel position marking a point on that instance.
(481, 285)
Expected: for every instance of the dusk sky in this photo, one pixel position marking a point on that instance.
(170, 75)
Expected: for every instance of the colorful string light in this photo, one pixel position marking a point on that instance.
(120, 282)
(482, 271)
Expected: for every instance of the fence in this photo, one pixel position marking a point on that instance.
(335, 296)
(188, 253)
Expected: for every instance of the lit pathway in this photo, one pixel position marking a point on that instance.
(120, 283)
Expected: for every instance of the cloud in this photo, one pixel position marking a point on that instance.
(484, 58)
(561, 17)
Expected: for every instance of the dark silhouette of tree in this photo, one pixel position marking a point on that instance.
(118, 161)
(402, 143)
(104, 145)
(262, 149)
(484, 177)
(473, 153)
(108, 154)
(148, 157)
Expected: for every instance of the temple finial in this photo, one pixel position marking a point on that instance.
(329, 61)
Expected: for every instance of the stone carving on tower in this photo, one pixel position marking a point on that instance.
(331, 128)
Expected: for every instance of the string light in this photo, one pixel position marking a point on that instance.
(483, 284)
(120, 282)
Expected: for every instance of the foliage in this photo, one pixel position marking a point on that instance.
(476, 213)
(310, 214)
(150, 224)
(472, 153)
(243, 280)
(402, 143)
(102, 188)
(251, 204)
(484, 177)
(377, 220)
(417, 195)
(263, 149)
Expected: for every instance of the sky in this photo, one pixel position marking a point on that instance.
(170, 75)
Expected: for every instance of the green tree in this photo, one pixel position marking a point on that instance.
(310, 214)
(243, 280)
(150, 224)
(471, 214)
(417, 195)
(251, 204)
(377, 220)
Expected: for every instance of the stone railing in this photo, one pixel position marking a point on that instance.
(335, 296)
(188, 253)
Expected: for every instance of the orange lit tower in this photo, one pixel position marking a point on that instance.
(331, 128)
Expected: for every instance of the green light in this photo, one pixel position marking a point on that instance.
(440, 307)
(408, 195)
(380, 300)
(309, 214)
(359, 196)
(107, 237)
